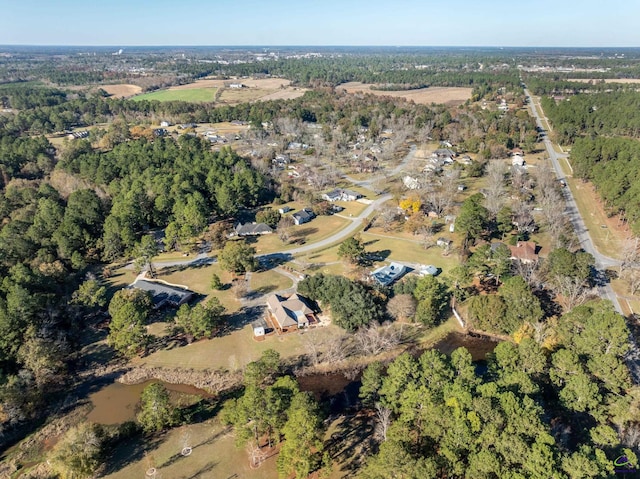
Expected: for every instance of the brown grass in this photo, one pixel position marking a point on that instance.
(425, 96)
(122, 90)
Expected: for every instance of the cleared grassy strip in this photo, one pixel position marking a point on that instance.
(195, 95)
(234, 350)
(606, 238)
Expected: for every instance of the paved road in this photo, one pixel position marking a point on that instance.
(633, 356)
(602, 261)
(356, 222)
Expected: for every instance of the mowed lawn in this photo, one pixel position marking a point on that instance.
(214, 454)
(412, 251)
(195, 95)
(317, 229)
(234, 350)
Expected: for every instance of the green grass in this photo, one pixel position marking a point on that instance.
(231, 351)
(214, 455)
(195, 95)
(409, 250)
(266, 282)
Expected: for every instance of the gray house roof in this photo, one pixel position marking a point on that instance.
(249, 229)
(303, 216)
(163, 294)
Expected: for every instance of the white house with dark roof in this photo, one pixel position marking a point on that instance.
(340, 194)
(303, 216)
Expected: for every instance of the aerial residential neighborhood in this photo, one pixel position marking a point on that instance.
(318, 262)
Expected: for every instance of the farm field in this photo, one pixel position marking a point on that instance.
(122, 90)
(195, 95)
(205, 90)
(442, 95)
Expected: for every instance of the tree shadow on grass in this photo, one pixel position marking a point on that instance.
(131, 451)
(303, 232)
(239, 319)
(352, 441)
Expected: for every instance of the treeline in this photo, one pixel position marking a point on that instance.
(324, 107)
(166, 182)
(613, 165)
(332, 71)
(22, 98)
(564, 412)
(612, 113)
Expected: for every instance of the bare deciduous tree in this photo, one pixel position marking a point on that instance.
(374, 339)
(496, 191)
(572, 292)
(402, 307)
(383, 421)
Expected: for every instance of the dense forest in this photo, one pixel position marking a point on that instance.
(565, 411)
(603, 130)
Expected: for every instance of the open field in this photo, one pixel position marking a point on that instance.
(195, 95)
(261, 89)
(401, 249)
(265, 282)
(443, 95)
(606, 80)
(198, 279)
(214, 455)
(317, 229)
(122, 90)
(232, 351)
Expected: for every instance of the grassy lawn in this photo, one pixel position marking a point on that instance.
(198, 279)
(120, 277)
(319, 228)
(353, 208)
(231, 351)
(269, 281)
(401, 249)
(214, 455)
(196, 95)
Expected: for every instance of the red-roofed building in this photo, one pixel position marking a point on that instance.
(524, 251)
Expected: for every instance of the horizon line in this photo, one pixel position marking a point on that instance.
(305, 46)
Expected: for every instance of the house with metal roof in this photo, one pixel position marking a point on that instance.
(388, 274)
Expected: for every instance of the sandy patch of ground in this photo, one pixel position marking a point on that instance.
(607, 80)
(425, 96)
(121, 90)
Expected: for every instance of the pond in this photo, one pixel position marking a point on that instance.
(117, 403)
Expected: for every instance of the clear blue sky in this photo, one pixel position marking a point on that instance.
(582, 23)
